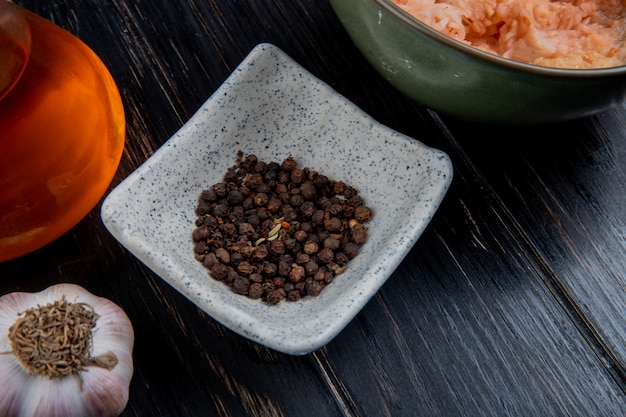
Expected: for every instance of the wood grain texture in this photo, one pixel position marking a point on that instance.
(567, 184)
(512, 303)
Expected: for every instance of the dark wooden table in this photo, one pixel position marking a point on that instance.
(512, 303)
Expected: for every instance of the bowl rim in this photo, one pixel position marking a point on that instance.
(416, 24)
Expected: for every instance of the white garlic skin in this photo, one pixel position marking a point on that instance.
(104, 392)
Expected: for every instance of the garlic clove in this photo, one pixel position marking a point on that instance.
(11, 305)
(13, 379)
(53, 398)
(113, 384)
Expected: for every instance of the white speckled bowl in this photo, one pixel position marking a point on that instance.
(272, 107)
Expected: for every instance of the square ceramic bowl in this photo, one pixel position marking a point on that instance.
(273, 108)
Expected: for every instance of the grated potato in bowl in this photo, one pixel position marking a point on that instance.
(575, 34)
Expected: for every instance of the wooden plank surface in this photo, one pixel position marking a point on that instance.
(568, 186)
(512, 302)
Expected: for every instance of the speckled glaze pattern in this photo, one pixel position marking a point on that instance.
(272, 107)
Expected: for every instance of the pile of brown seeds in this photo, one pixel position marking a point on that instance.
(54, 340)
(275, 231)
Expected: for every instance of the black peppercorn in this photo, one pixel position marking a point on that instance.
(362, 213)
(208, 196)
(234, 197)
(209, 260)
(277, 247)
(332, 224)
(351, 249)
(293, 295)
(219, 189)
(274, 231)
(222, 255)
(321, 181)
(313, 288)
(326, 255)
(310, 247)
(297, 273)
(241, 285)
(275, 296)
(255, 291)
(219, 271)
(289, 164)
(331, 243)
(245, 268)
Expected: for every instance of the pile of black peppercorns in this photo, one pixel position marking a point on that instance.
(274, 231)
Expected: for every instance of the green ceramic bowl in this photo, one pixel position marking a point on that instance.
(466, 83)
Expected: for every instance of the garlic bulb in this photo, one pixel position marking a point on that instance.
(64, 352)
